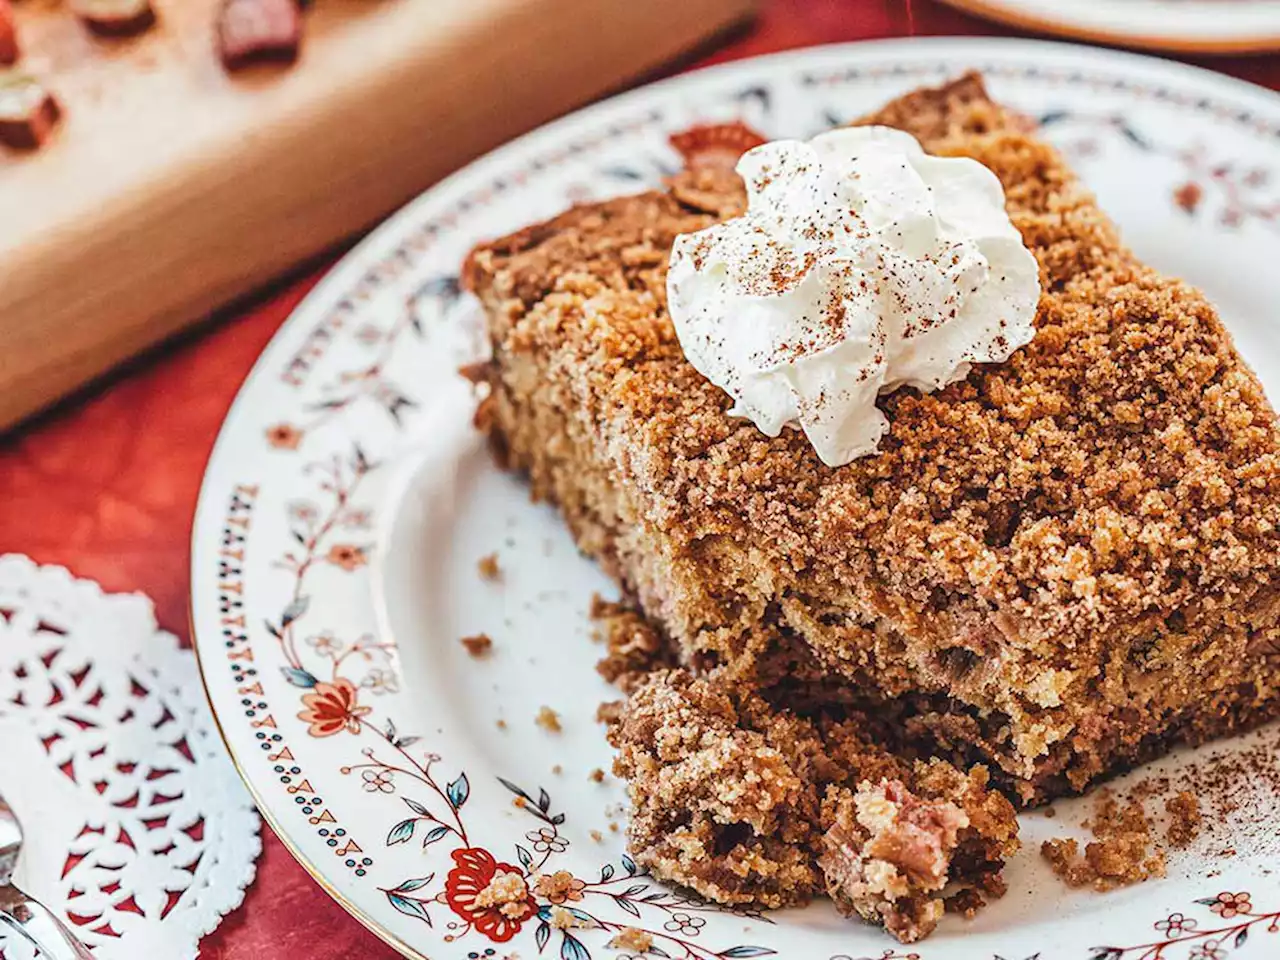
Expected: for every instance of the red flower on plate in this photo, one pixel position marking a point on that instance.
(1229, 905)
(493, 897)
(1188, 196)
(284, 436)
(347, 557)
(332, 708)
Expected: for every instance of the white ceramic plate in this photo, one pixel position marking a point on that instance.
(1192, 26)
(388, 760)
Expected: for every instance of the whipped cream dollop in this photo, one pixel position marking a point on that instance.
(862, 264)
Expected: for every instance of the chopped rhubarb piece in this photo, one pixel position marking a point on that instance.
(115, 17)
(28, 111)
(715, 145)
(8, 34)
(251, 31)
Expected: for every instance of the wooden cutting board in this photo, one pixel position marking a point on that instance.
(171, 187)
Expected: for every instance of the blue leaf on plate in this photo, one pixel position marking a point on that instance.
(606, 872)
(401, 832)
(415, 884)
(294, 610)
(458, 791)
(542, 935)
(434, 834)
(411, 908)
(416, 807)
(627, 905)
(747, 951)
(629, 865)
(1241, 937)
(299, 677)
(572, 949)
(525, 856)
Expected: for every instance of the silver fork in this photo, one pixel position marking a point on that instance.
(29, 919)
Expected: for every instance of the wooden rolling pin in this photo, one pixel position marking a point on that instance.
(171, 187)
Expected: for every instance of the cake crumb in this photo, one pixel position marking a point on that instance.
(557, 769)
(597, 836)
(1184, 818)
(563, 919)
(478, 645)
(507, 891)
(1120, 854)
(966, 902)
(635, 647)
(500, 724)
(596, 776)
(558, 887)
(548, 720)
(632, 940)
(613, 828)
(520, 802)
(488, 568)
(1050, 813)
(609, 712)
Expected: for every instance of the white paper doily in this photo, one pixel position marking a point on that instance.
(137, 826)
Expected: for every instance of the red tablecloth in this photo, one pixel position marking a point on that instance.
(107, 484)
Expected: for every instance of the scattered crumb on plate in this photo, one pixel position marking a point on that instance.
(1184, 818)
(478, 645)
(558, 887)
(1120, 854)
(596, 775)
(488, 568)
(632, 940)
(563, 919)
(548, 720)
